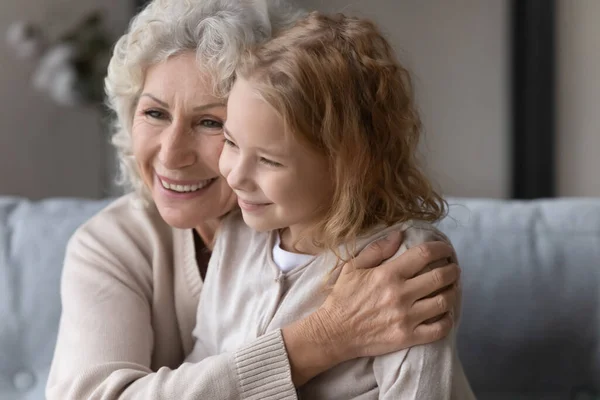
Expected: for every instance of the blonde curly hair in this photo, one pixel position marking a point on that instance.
(340, 90)
(218, 31)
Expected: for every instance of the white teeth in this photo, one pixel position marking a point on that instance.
(185, 188)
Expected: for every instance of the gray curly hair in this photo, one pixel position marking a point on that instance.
(218, 31)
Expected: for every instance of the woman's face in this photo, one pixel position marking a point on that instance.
(177, 140)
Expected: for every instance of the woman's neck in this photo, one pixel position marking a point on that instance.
(207, 231)
(202, 254)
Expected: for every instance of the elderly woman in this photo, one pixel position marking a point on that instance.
(134, 272)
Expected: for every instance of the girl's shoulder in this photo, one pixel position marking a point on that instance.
(415, 232)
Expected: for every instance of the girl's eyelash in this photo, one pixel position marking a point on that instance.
(263, 160)
(269, 162)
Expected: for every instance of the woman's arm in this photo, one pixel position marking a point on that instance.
(375, 311)
(106, 342)
(106, 337)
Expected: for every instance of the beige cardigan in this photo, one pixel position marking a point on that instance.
(247, 295)
(130, 289)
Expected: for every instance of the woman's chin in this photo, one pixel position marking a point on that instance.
(180, 215)
(188, 216)
(180, 220)
(186, 211)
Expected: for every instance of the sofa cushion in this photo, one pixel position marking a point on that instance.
(33, 236)
(531, 309)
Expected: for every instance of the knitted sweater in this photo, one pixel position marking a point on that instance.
(247, 296)
(130, 290)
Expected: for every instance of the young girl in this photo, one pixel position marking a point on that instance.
(320, 137)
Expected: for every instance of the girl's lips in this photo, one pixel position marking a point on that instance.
(249, 206)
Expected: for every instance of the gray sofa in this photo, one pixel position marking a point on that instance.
(531, 278)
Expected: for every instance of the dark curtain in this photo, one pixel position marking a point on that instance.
(533, 116)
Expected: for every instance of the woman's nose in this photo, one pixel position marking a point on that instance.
(177, 147)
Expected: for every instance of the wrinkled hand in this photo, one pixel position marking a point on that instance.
(374, 311)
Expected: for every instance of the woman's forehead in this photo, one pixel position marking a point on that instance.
(179, 79)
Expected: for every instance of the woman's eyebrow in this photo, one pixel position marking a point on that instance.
(162, 103)
(208, 106)
(196, 109)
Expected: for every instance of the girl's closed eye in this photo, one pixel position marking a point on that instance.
(270, 163)
(229, 142)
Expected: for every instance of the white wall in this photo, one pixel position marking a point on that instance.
(578, 91)
(47, 150)
(459, 53)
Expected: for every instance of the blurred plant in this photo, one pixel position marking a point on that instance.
(70, 69)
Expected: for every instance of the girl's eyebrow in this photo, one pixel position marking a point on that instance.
(226, 130)
(268, 151)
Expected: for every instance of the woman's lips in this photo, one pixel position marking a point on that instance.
(182, 189)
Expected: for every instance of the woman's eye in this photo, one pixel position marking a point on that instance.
(270, 163)
(210, 123)
(155, 114)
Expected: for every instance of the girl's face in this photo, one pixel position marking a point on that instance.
(177, 137)
(279, 182)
